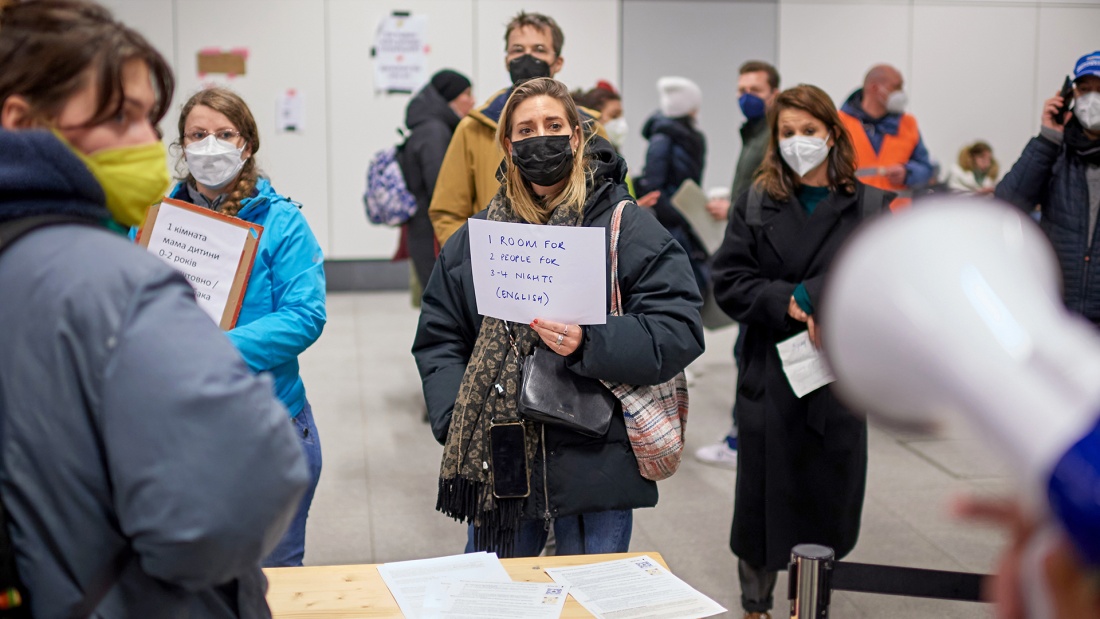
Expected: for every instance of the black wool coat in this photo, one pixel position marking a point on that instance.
(802, 463)
(659, 334)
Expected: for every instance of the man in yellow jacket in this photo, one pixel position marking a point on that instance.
(468, 178)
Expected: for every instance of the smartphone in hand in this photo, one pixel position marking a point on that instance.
(1067, 97)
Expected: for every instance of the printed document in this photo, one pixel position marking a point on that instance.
(635, 588)
(495, 600)
(410, 581)
(803, 364)
(526, 271)
(692, 203)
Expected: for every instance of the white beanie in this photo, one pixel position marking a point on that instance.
(679, 96)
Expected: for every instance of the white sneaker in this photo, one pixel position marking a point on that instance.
(718, 454)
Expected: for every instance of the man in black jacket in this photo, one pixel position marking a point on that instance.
(1059, 171)
(432, 116)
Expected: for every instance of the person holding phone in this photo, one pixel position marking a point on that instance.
(585, 487)
(283, 310)
(1059, 171)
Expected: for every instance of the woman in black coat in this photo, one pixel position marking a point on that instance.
(586, 486)
(802, 462)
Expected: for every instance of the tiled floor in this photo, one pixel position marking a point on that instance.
(376, 500)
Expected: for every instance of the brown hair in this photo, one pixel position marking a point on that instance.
(236, 110)
(596, 98)
(539, 22)
(774, 175)
(50, 49)
(753, 66)
(516, 188)
(968, 152)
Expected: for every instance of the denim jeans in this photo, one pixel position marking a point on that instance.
(586, 534)
(292, 547)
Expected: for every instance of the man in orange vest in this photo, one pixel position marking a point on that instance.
(890, 153)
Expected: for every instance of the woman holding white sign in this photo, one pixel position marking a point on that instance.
(586, 486)
(283, 311)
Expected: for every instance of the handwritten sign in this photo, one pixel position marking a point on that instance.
(213, 251)
(524, 271)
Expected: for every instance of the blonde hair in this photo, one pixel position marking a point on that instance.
(518, 191)
(968, 152)
(236, 110)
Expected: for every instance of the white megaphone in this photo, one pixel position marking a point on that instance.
(953, 308)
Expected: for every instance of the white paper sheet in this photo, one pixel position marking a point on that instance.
(495, 600)
(692, 203)
(803, 364)
(205, 250)
(635, 588)
(523, 272)
(410, 581)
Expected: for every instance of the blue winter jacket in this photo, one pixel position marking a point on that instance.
(283, 311)
(1048, 176)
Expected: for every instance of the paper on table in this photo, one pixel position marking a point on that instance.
(635, 588)
(524, 271)
(495, 600)
(803, 364)
(409, 581)
(692, 203)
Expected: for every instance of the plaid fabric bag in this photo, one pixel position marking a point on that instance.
(656, 415)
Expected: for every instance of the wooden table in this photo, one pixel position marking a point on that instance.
(358, 591)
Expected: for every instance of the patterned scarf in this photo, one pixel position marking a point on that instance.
(465, 485)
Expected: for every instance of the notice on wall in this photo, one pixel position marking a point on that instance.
(290, 113)
(400, 53)
(213, 251)
(523, 271)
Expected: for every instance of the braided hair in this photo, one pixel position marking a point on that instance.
(236, 110)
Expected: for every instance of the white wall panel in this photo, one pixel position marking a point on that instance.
(1065, 34)
(955, 96)
(706, 41)
(362, 121)
(285, 39)
(832, 44)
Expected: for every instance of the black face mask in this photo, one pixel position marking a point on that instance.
(527, 67)
(544, 160)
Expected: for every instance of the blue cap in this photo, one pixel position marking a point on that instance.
(1089, 64)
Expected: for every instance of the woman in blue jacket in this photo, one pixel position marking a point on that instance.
(283, 311)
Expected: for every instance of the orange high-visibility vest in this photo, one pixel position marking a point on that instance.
(896, 149)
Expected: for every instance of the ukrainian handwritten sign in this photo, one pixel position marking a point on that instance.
(213, 251)
(523, 271)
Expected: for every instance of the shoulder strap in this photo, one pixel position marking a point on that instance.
(754, 207)
(10, 585)
(616, 227)
(11, 231)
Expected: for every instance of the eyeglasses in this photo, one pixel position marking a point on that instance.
(198, 135)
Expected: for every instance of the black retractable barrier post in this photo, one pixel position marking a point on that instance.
(808, 584)
(814, 575)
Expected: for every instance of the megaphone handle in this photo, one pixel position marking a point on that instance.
(1033, 574)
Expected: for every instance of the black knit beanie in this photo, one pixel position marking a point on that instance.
(450, 84)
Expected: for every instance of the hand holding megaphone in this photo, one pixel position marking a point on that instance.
(954, 309)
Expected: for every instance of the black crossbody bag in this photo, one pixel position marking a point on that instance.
(553, 394)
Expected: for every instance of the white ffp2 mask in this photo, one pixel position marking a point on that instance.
(616, 131)
(803, 153)
(1087, 110)
(213, 162)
